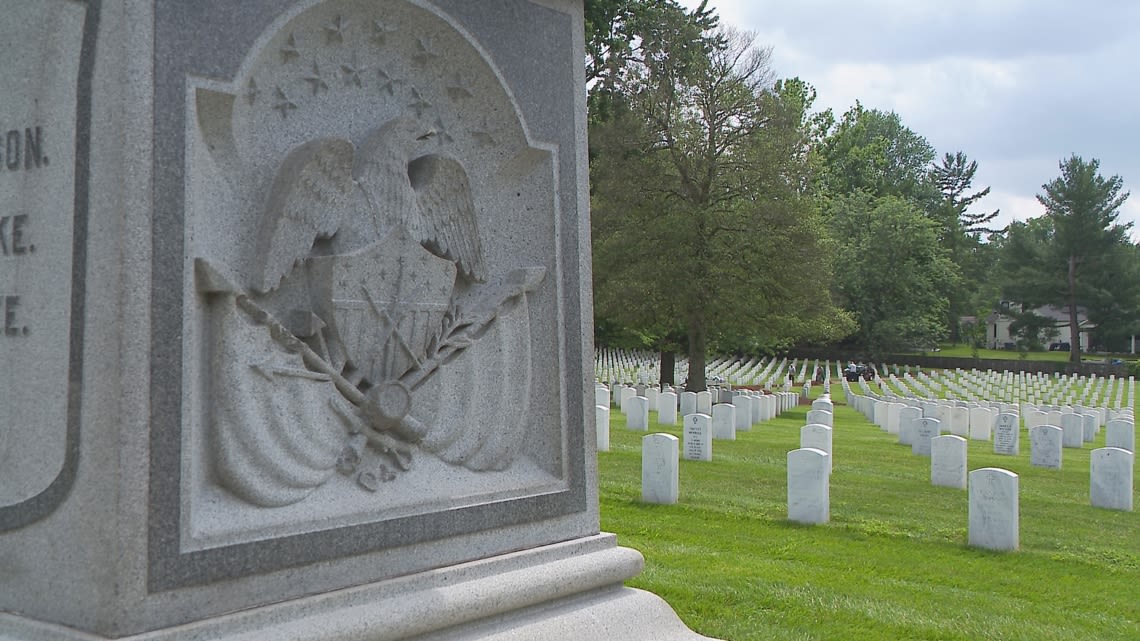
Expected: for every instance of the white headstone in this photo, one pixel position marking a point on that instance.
(948, 461)
(757, 408)
(1045, 446)
(1120, 433)
(823, 417)
(993, 511)
(1072, 430)
(654, 395)
(818, 436)
(960, 421)
(602, 396)
(602, 418)
(704, 402)
(724, 421)
(981, 423)
(908, 418)
(667, 408)
(880, 414)
(823, 404)
(1007, 435)
(743, 406)
(688, 403)
(637, 413)
(1110, 478)
(808, 480)
(925, 430)
(1091, 424)
(698, 437)
(660, 481)
(624, 394)
(893, 410)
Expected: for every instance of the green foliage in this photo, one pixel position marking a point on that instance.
(893, 561)
(871, 151)
(891, 272)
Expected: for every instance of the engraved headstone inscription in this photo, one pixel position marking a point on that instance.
(294, 308)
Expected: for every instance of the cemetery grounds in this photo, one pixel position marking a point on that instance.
(893, 561)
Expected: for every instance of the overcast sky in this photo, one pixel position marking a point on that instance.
(1017, 85)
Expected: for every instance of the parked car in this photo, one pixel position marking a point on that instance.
(1060, 347)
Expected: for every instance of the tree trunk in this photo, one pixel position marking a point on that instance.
(1074, 327)
(668, 367)
(696, 382)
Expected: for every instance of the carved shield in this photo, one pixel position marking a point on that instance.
(382, 304)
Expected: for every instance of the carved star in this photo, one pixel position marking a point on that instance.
(424, 51)
(316, 81)
(284, 104)
(352, 72)
(252, 92)
(380, 32)
(388, 82)
(459, 89)
(335, 29)
(419, 103)
(289, 50)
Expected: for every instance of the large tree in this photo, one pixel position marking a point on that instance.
(961, 232)
(871, 151)
(892, 272)
(698, 211)
(1075, 256)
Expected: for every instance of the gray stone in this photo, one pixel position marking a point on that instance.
(1091, 425)
(602, 418)
(667, 408)
(724, 421)
(698, 437)
(808, 486)
(948, 461)
(1045, 446)
(993, 509)
(241, 235)
(1007, 435)
(1110, 478)
(925, 429)
(660, 480)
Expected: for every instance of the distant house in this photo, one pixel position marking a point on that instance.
(998, 335)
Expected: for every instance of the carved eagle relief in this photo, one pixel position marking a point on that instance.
(331, 198)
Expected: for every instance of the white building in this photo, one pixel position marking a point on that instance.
(998, 335)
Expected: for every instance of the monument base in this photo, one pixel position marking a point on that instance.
(570, 590)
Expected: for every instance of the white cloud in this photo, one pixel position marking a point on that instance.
(1017, 85)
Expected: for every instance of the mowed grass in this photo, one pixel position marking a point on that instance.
(892, 563)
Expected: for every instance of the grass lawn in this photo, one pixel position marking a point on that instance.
(891, 564)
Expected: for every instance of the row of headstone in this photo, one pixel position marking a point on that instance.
(1111, 476)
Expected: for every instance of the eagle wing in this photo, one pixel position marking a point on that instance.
(312, 195)
(443, 196)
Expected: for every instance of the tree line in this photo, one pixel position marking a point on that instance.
(729, 215)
